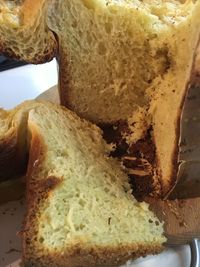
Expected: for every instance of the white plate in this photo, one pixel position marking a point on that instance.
(28, 82)
(19, 84)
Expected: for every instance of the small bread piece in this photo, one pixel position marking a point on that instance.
(23, 31)
(13, 145)
(80, 210)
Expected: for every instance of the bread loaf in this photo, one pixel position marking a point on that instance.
(130, 61)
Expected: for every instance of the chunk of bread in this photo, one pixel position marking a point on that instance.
(80, 210)
(120, 52)
(129, 61)
(23, 31)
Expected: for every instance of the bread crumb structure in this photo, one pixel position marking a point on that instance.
(80, 209)
(130, 61)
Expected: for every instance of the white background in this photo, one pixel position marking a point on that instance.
(26, 82)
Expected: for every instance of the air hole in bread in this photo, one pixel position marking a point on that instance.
(102, 49)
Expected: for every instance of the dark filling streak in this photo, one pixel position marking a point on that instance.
(142, 186)
(113, 134)
(133, 164)
(133, 156)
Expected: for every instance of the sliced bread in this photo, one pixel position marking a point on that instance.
(80, 210)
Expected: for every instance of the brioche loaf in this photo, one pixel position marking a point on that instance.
(125, 62)
(130, 61)
(80, 210)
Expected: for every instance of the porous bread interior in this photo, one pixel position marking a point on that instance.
(107, 55)
(122, 59)
(92, 204)
(93, 189)
(23, 31)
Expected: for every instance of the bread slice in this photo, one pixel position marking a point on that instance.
(80, 210)
(23, 31)
(130, 62)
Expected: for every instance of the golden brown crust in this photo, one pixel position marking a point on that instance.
(40, 57)
(166, 190)
(37, 149)
(24, 35)
(93, 256)
(37, 154)
(46, 56)
(63, 82)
